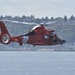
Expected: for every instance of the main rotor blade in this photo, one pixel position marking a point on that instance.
(26, 23)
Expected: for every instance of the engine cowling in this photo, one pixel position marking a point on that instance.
(5, 39)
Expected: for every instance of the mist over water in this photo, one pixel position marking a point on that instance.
(37, 63)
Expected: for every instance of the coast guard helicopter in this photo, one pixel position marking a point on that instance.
(39, 35)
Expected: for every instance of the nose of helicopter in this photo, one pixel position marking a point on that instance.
(63, 41)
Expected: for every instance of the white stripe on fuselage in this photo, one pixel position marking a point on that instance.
(25, 39)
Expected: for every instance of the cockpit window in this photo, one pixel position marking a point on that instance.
(31, 33)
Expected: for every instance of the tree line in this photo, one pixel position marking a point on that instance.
(36, 20)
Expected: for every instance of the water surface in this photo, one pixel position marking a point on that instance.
(37, 63)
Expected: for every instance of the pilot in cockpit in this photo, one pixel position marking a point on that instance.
(53, 37)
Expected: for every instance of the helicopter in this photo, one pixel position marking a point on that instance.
(39, 35)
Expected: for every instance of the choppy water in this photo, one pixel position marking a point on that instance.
(37, 63)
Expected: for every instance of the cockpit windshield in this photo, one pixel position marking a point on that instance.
(31, 33)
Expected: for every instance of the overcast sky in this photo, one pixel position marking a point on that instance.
(39, 8)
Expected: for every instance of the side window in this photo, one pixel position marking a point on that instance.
(46, 37)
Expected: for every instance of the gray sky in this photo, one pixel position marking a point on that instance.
(39, 8)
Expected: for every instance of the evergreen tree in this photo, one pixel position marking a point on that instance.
(72, 18)
(65, 18)
(32, 17)
(52, 19)
(46, 18)
(1, 17)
